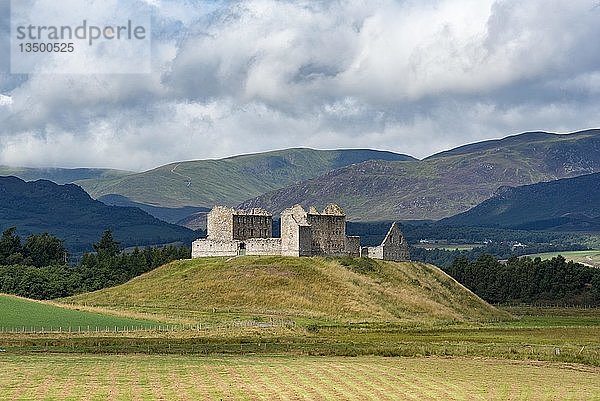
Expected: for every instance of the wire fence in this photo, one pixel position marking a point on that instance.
(164, 328)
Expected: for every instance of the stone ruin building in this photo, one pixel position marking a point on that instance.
(233, 232)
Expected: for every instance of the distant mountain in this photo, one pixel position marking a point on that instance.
(205, 183)
(446, 183)
(61, 175)
(168, 214)
(69, 213)
(567, 204)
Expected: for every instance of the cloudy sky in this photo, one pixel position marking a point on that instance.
(231, 77)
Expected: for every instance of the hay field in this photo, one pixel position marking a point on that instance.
(135, 377)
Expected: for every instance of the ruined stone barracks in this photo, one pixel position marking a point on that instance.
(233, 232)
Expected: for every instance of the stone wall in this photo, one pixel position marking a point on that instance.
(226, 224)
(328, 234)
(395, 246)
(219, 223)
(252, 226)
(263, 246)
(353, 246)
(295, 232)
(206, 247)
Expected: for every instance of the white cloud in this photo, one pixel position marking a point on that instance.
(5, 100)
(244, 76)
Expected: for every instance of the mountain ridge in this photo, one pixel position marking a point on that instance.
(442, 186)
(68, 212)
(60, 175)
(561, 204)
(205, 183)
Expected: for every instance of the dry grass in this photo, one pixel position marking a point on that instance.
(78, 377)
(297, 287)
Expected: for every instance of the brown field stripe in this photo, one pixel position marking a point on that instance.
(135, 385)
(381, 389)
(51, 380)
(281, 388)
(401, 383)
(8, 380)
(317, 376)
(252, 385)
(24, 374)
(182, 382)
(297, 373)
(160, 375)
(202, 389)
(73, 386)
(216, 373)
(266, 378)
(115, 389)
(252, 376)
(235, 390)
(340, 371)
(153, 381)
(443, 383)
(369, 382)
(86, 377)
(290, 374)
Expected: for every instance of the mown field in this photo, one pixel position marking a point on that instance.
(590, 258)
(133, 377)
(20, 314)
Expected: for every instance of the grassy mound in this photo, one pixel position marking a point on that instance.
(324, 288)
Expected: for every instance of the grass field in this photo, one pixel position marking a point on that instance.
(569, 336)
(590, 258)
(79, 377)
(26, 315)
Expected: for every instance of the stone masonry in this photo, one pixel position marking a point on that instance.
(394, 247)
(234, 232)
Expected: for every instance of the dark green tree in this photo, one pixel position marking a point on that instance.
(107, 247)
(44, 250)
(10, 244)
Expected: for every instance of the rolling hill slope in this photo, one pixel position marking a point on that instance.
(230, 181)
(444, 184)
(571, 203)
(69, 213)
(364, 290)
(61, 175)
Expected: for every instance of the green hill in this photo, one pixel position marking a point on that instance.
(444, 184)
(570, 204)
(204, 183)
(61, 175)
(17, 313)
(69, 213)
(317, 288)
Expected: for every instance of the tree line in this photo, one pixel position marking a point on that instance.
(526, 280)
(38, 267)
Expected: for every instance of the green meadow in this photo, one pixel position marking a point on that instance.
(19, 314)
(590, 257)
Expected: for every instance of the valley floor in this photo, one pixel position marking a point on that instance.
(542, 354)
(135, 377)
